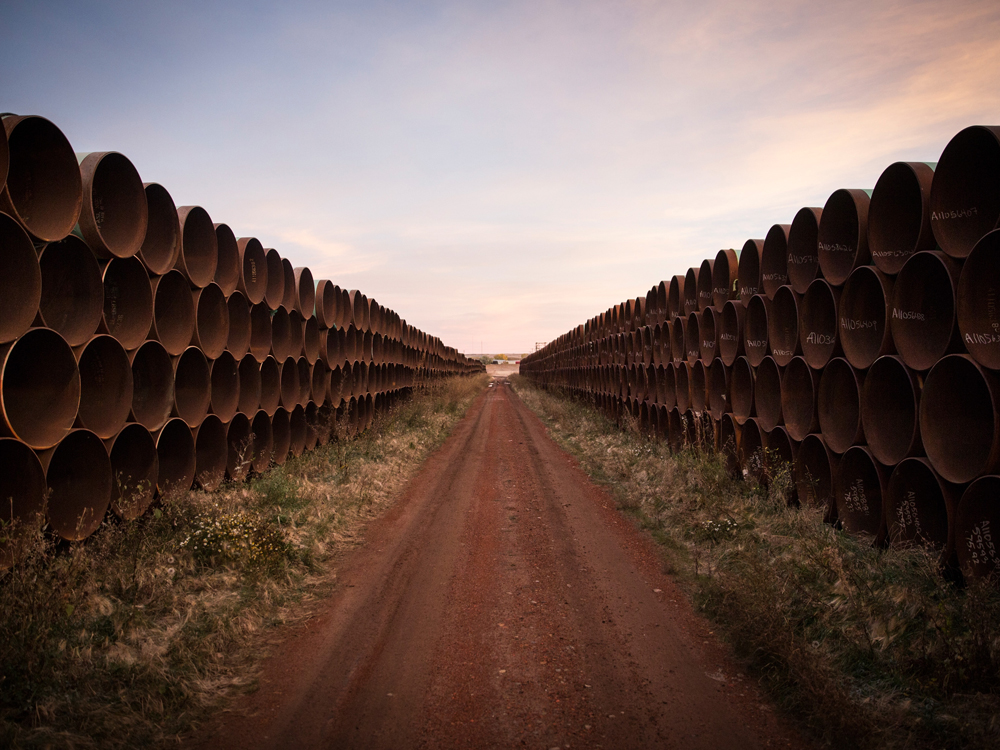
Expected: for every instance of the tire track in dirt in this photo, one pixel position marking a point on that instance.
(503, 602)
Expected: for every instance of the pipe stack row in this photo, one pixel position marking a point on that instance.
(859, 345)
(145, 349)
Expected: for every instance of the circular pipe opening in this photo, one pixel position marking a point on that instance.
(78, 475)
(692, 337)
(916, 505)
(211, 330)
(690, 302)
(798, 399)
(297, 428)
(72, 299)
(890, 400)
(864, 316)
(44, 190)
(270, 385)
(724, 275)
(818, 329)
(281, 335)
(774, 259)
(289, 295)
(756, 343)
(813, 475)
(803, 248)
(843, 235)
(282, 436)
(767, 394)
(718, 389)
(296, 334)
(192, 386)
(106, 386)
(753, 452)
(304, 380)
(699, 387)
(305, 292)
(741, 386)
(173, 312)
(320, 383)
(675, 299)
(162, 243)
(20, 280)
(326, 304)
(274, 278)
(260, 332)
(965, 193)
(249, 384)
(783, 325)
(859, 486)
(731, 332)
(899, 217)
(263, 442)
(128, 301)
(152, 385)
(749, 270)
(134, 471)
(199, 255)
(781, 452)
(253, 268)
(978, 311)
(923, 317)
(227, 269)
(839, 405)
(289, 383)
(225, 394)
(705, 284)
(682, 386)
(729, 446)
(114, 214)
(238, 340)
(211, 453)
(708, 335)
(239, 448)
(22, 492)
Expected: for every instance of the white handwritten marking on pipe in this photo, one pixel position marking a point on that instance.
(748, 290)
(707, 344)
(774, 276)
(757, 343)
(820, 338)
(721, 290)
(906, 514)
(855, 498)
(801, 260)
(728, 337)
(892, 253)
(835, 247)
(854, 324)
(962, 213)
(979, 542)
(782, 353)
(982, 338)
(908, 314)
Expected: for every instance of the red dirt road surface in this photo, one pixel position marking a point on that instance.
(503, 602)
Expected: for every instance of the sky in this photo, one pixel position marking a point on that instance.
(499, 172)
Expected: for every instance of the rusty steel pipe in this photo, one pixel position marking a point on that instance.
(699, 387)
(799, 385)
(863, 312)
(135, 468)
(289, 383)
(732, 327)
(129, 301)
(297, 430)
(690, 291)
(335, 394)
(44, 190)
(838, 402)
(239, 447)
(890, 399)
(211, 328)
(859, 486)
(178, 460)
(79, 479)
(749, 272)
(729, 445)
(224, 373)
(260, 332)
(668, 388)
(774, 260)
(281, 335)
(813, 473)
(783, 325)
(843, 235)
(345, 309)
(274, 279)
(976, 519)
(923, 318)
(253, 269)
(72, 300)
(705, 283)
(22, 492)
(20, 280)
(677, 330)
(262, 442)
(741, 386)
(978, 314)
(250, 385)
(173, 312)
(211, 448)
(708, 333)
(106, 386)
(899, 217)
(270, 385)
(918, 504)
(281, 432)
(781, 453)
(238, 312)
(818, 324)
(114, 214)
(803, 248)
(965, 193)
(753, 452)
(359, 310)
(327, 300)
(692, 337)
(718, 389)
(289, 295)
(312, 427)
(305, 292)
(958, 418)
(162, 242)
(675, 297)
(724, 275)
(152, 385)
(320, 386)
(296, 334)
(767, 394)
(756, 342)
(304, 380)
(192, 386)
(199, 255)
(682, 386)
(39, 388)
(227, 267)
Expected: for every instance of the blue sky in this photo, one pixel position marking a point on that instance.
(498, 172)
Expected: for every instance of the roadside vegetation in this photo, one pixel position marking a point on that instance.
(129, 638)
(867, 648)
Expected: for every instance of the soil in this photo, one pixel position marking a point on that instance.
(502, 602)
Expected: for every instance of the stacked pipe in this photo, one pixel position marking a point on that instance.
(145, 349)
(858, 347)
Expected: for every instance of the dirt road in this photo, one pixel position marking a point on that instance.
(503, 602)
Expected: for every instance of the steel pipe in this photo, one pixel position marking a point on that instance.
(162, 243)
(282, 436)
(682, 386)
(708, 333)
(224, 372)
(976, 520)
(129, 302)
(238, 312)
(724, 274)
(690, 291)
(965, 193)
(699, 387)
(173, 312)
(39, 388)
(718, 389)
(753, 452)
(859, 485)
(978, 314)
(336, 388)
(320, 386)
(289, 383)
(135, 468)
(767, 394)
(692, 337)
(741, 386)
(899, 217)
(199, 255)
(270, 385)
(305, 292)
(781, 453)
(22, 492)
(675, 297)
(192, 387)
(262, 442)
(72, 299)
(749, 272)
(253, 279)
(227, 268)
(818, 324)
(729, 445)
(706, 284)
(296, 334)
(239, 447)
(211, 328)
(211, 448)
(923, 319)
(774, 260)
(152, 385)
(327, 301)
(918, 504)
(260, 332)
(783, 325)
(799, 385)
(839, 405)
(757, 314)
(958, 419)
(803, 248)
(304, 380)
(863, 311)
(20, 280)
(843, 235)
(732, 329)
(678, 353)
(813, 473)
(289, 295)
(890, 399)
(312, 426)
(281, 335)
(78, 475)
(114, 214)
(274, 278)
(44, 190)
(297, 430)
(106, 386)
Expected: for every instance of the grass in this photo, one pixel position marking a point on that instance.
(867, 648)
(130, 638)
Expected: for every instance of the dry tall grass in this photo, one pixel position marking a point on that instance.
(127, 639)
(869, 648)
